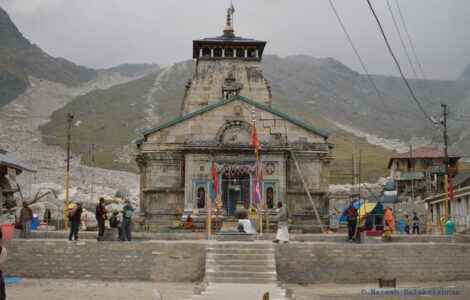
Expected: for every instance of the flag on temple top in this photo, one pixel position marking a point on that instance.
(215, 183)
(451, 188)
(254, 140)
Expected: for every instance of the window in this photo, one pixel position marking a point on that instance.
(229, 52)
(206, 52)
(251, 52)
(217, 52)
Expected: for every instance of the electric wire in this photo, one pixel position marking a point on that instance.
(398, 65)
(365, 69)
(414, 51)
(406, 52)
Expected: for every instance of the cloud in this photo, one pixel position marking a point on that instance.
(109, 32)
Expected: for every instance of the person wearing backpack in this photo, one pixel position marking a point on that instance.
(127, 213)
(101, 217)
(74, 217)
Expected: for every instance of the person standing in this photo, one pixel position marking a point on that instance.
(114, 222)
(75, 217)
(26, 215)
(351, 214)
(101, 217)
(127, 213)
(389, 223)
(407, 224)
(415, 223)
(282, 230)
(3, 258)
(366, 223)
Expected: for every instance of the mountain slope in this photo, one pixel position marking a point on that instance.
(134, 70)
(341, 94)
(20, 59)
(112, 118)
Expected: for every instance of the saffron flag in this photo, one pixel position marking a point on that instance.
(215, 183)
(451, 188)
(254, 140)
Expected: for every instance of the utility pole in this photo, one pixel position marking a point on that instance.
(67, 176)
(412, 165)
(92, 171)
(354, 189)
(445, 112)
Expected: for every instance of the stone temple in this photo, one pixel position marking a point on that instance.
(228, 92)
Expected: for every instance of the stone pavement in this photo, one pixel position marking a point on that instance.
(240, 291)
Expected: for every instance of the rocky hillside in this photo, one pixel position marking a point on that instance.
(134, 70)
(20, 59)
(112, 118)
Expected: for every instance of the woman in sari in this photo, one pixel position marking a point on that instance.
(389, 223)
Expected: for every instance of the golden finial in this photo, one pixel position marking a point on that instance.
(228, 26)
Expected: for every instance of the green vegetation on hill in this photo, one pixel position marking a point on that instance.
(374, 158)
(110, 119)
(134, 70)
(114, 117)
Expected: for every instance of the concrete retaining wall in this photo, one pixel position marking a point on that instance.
(152, 261)
(184, 261)
(358, 263)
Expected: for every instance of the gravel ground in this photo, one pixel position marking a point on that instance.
(372, 291)
(58, 289)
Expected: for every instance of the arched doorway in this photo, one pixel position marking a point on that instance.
(229, 52)
(206, 52)
(201, 197)
(217, 52)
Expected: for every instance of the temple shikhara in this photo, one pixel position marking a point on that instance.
(208, 151)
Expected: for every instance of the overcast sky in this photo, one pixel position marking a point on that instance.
(104, 33)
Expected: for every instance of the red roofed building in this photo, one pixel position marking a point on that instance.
(424, 167)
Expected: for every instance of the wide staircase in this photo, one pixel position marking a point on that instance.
(241, 270)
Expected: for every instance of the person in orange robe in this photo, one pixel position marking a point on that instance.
(189, 223)
(389, 223)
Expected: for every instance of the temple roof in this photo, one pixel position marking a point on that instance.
(322, 132)
(228, 37)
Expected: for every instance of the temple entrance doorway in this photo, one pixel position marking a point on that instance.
(235, 190)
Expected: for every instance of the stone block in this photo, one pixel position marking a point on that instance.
(110, 234)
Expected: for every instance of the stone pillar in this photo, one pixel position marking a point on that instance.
(212, 52)
(234, 52)
(256, 53)
(246, 53)
(223, 52)
(200, 52)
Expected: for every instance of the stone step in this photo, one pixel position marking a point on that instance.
(241, 274)
(240, 250)
(241, 268)
(240, 245)
(236, 262)
(229, 256)
(242, 280)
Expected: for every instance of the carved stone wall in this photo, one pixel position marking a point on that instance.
(206, 85)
